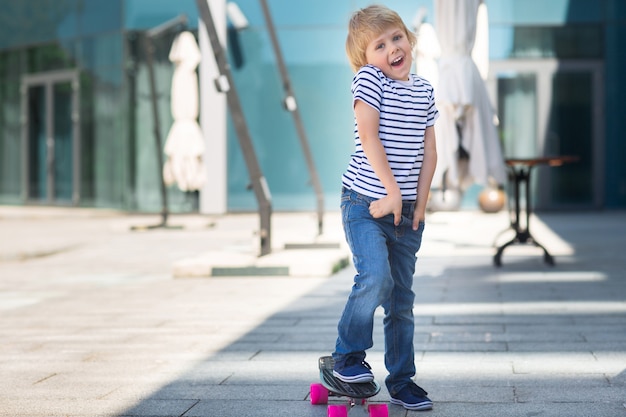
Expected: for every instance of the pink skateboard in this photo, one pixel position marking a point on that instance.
(356, 393)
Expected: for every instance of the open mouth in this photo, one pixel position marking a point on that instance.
(398, 61)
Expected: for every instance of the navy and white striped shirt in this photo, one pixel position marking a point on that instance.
(406, 109)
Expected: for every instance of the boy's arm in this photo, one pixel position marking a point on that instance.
(426, 176)
(367, 120)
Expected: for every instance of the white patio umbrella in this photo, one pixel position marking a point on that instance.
(480, 51)
(427, 52)
(184, 146)
(466, 115)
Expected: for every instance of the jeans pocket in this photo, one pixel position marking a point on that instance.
(417, 235)
(346, 207)
(411, 238)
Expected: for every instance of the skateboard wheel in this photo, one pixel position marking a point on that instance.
(319, 394)
(378, 410)
(337, 411)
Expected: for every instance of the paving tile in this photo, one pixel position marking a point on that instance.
(99, 327)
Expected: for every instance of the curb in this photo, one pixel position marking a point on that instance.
(287, 262)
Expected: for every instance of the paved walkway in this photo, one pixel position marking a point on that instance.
(93, 323)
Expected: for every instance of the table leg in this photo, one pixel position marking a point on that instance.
(520, 176)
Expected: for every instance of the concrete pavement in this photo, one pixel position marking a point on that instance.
(93, 321)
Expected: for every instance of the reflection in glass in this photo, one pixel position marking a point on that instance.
(582, 41)
(517, 108)
(570, 132)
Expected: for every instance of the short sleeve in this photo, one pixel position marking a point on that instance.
(367, 86)
(433, 113)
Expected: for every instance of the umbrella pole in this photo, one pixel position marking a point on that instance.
(225, 84)
(149, 50)
(292, 107)
(149, 47)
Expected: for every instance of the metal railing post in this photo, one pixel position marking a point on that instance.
(224, 83)
(291, 106)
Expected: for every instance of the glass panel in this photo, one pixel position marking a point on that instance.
(93, 17)
(63, 158)
(10, 143)
(109, 147)
(570, 132)
(49, 57)
(37, 144)
(105, 144)
(103, 52)
(87, 139)
(142, 14)
(273, 130)
(517, 110)
(144, 172)
(28, 22)
(541, 12)
(582, 41)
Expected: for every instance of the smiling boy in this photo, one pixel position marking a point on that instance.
(384, 195)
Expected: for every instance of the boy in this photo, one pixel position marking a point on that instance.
(384, 195)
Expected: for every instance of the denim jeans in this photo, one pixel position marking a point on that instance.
(384, 256)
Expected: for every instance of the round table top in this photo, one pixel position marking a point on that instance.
(553, 161)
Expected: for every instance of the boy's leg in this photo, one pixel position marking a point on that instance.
(399, 324)
(372, 283)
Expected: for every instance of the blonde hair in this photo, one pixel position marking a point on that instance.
(365, 24)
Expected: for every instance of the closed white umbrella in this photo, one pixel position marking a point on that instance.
(427, 52)
(184, 146)
(467, 117)
(480, 51)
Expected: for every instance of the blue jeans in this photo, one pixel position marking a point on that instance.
(384, 256)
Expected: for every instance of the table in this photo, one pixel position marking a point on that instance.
(519, 173)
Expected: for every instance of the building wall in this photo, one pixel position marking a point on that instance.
(615, 184)
(312, 40)
(118, 159)
(581, 17)
(103, 41)
(64, 35)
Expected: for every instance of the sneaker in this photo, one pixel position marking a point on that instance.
(353, 371)
(412, 397)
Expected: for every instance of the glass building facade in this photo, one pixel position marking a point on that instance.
(75, 120)
(76, 123)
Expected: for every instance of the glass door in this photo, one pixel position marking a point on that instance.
(37, 144)
(50, 138)
(553, 108)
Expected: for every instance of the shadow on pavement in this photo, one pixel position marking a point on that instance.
(525, 339)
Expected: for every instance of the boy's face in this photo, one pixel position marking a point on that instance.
(391, 52)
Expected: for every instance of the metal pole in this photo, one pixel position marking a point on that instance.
(225, 84)
(292, 107)
(149, 48)
(528, 203)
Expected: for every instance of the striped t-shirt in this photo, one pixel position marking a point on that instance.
(406, 109)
